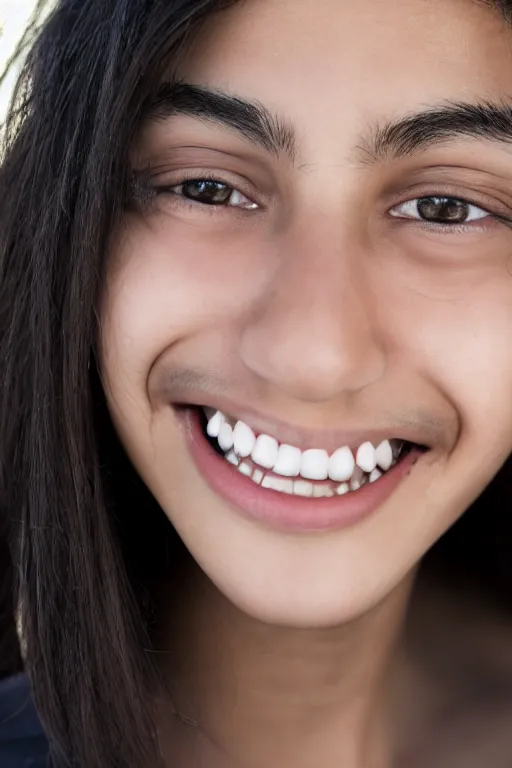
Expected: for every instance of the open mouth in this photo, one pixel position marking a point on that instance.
(311, 473)
(294, 488)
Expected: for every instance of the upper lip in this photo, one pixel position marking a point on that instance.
(329, 439)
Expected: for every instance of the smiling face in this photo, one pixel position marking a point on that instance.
(319, 249)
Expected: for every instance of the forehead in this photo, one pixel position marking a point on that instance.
(326, 60)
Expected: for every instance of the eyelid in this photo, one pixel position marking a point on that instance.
(488, 214)
(492, 206)
(177, 177)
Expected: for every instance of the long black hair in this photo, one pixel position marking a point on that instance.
(63, 186)
(80, 525)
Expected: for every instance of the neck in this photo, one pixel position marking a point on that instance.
(248, 694)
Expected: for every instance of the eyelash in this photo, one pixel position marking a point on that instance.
(445, 226)
(454, 227)
(213, 207)
(216, 208)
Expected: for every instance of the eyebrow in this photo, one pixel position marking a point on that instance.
(250, 119)
(393, 139)
(448, 122)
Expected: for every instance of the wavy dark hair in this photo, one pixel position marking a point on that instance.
(77, 565)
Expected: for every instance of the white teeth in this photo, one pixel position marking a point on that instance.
(257, 476)
(214, 424)
(375, 475)
(225, 438)
(366, 458)
(288, 461)
(303, 488)
(314, 465)
(265, 451)
(322, 492)
(357, 479)
(384, 455)
(277, 484)
(341, 465)
(244, 439)
(232, 458)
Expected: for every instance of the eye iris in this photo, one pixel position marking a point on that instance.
(443, 210)
(206, 191)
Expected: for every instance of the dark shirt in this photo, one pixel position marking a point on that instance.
(22, 740)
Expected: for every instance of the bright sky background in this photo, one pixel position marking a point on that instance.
(14, 14)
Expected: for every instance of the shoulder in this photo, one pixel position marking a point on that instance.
(22, 740)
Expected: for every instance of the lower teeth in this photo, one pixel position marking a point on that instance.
(300, 487)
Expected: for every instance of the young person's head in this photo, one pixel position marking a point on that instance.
(298, 214)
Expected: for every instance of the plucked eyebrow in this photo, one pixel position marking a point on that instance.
(250, 119)
(394, 139)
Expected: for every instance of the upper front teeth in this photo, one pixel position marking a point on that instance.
(341, 465)
(244, 439)
(265, 451)
(366, 457)
(289, 461)
(314, 464)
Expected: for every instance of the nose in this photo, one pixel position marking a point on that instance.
(312, 333)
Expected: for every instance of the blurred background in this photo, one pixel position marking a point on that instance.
(18, 21)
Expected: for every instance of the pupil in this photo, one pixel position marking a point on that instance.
(443, 210)
(205, 191)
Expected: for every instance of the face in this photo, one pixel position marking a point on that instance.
(319, 256)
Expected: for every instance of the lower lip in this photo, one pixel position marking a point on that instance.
(284, 511)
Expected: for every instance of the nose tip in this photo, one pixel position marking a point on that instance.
(316, 356)
(315, 329)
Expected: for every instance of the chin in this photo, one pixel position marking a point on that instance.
(315, 581)
(322, 561)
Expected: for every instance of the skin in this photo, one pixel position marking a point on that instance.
(321, 312)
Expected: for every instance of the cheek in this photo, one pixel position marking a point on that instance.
(169, 281)
(462, 343)
(480, 354)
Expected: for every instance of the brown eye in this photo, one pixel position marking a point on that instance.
(440, 210)
(443, 210)
(208, 192)
(214, 193)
